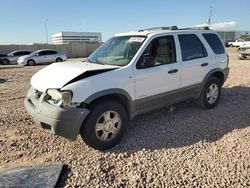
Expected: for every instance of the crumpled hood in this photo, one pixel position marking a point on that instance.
(57, 75)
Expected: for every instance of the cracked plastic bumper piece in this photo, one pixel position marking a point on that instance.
(65, 122)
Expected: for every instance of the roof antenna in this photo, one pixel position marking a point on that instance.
(210, 15)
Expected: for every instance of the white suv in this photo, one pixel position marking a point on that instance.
(130, 74)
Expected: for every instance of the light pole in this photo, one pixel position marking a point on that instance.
(46, 31)
(210, 15)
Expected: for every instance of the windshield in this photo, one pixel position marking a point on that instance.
(117, 50)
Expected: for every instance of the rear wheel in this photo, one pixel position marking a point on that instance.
(5, 62)
(105, 125)
(210, 94)
(59, 60)
(31, 62)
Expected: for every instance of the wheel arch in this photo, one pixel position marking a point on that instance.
(59, 58)
(118, 95)
(218, 73)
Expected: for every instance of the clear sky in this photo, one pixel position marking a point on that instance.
(22, 21)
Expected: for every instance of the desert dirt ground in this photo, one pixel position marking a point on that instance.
(187, 147)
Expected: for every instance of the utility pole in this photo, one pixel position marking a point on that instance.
(210, 15)
(46, 31)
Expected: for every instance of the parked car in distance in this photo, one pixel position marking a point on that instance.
(238, 43)
(13, 56)
(244, 51)
(2, 56)
(227, 43)
(130, 74)
(43, 56)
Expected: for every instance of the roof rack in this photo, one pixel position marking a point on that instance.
(159, 28)
(195, 28)
(174, 28)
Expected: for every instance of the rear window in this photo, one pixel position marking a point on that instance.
(191, 47)
(215, 43)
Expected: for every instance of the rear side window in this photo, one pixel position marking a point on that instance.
(215, 43)
(191, 47)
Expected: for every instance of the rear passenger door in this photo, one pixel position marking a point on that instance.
(195, 61)
(52, 56)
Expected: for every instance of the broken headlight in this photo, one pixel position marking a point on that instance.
(59, 98)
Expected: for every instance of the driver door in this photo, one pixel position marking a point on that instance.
(157, 73)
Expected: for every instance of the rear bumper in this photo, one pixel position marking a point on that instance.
(65, 122)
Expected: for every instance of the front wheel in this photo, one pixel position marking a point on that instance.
(59, 60)
(31, 62)
(5, 62)
(210, 94)
(105, 125)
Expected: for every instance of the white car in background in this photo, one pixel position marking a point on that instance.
(13, 56)
(244, 51)
(238, 43)
(44, 56)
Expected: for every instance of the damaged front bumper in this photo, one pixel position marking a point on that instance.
(65, 122)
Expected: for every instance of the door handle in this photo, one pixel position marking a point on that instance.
(172, 71)
(204, 64)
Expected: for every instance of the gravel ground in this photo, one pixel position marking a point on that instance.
(187, 147)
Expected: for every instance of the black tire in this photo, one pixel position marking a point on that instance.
(88, 130)
(203, 101)
(5, 61)
(31, 62)
(59, 60)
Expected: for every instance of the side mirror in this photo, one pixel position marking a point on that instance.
(37, 54)
(147, 61)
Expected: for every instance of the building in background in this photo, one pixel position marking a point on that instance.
(76, 37)
(228, 36)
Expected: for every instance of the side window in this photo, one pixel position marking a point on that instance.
(51, 52)
(43, 53)
(16, 54)
(191, 47)
(24, 53)
(160, 51)
(215, 43)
